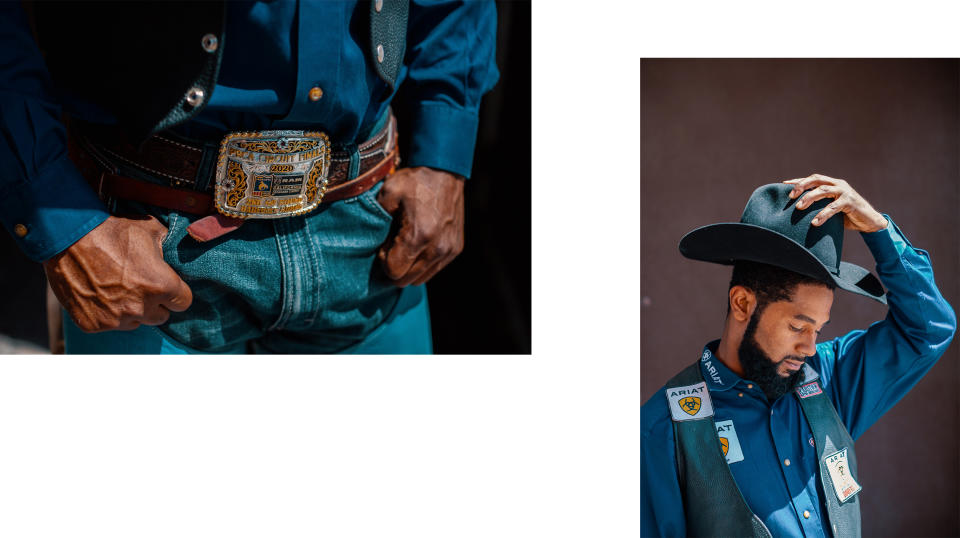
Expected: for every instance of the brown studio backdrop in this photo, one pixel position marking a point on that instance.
(712, 130)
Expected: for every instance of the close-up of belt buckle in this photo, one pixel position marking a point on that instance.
(271, 174)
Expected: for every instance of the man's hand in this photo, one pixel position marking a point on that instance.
(858, 214)
(114, 278)
(430, 205)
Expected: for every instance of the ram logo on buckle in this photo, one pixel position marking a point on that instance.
(271, 174)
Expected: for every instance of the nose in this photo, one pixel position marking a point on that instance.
(807, 345)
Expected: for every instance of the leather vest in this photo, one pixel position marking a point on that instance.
(718, 508)
(151, 64)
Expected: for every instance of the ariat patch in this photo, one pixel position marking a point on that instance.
(810, 389)
(689, 403)
(729, 442)
(844, 485)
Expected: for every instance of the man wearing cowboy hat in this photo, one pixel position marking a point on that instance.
(755, 438)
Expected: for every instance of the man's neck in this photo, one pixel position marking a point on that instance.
(727, 350)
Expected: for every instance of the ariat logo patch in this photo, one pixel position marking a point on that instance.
(690, 402)
(810, 389)
(729, 443)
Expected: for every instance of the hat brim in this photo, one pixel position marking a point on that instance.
(727, 242)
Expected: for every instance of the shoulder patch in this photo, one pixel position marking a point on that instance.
(810, 389)
(691, 402)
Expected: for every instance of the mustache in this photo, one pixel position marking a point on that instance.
(799, 358)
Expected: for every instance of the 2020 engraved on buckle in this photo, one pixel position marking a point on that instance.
(271, 174)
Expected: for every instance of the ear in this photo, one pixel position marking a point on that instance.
(742, 303)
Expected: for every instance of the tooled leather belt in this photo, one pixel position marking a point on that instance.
(250, 175)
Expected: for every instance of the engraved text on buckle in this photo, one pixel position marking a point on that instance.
(271, 174)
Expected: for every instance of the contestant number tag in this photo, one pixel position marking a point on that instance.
(843, 482)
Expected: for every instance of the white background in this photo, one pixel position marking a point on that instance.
(546, 445)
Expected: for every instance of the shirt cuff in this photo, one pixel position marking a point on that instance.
(51, 211)
(442, 137)
(886, 244)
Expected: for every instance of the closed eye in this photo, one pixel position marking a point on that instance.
(800, 330)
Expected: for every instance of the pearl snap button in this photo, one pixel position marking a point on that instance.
(316, 93)
(194, 96)
(209, 43)
(20, 230)
(380, 53)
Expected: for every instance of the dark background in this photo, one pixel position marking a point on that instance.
(713, 130)
(481, 302)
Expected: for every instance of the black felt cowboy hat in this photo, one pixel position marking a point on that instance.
(773, 231)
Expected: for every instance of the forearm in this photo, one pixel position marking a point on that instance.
(873, 369)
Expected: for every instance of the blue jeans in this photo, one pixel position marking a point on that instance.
(307, 284)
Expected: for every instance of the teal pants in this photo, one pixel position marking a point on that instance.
(405, 331)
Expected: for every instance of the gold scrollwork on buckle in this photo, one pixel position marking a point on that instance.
(271, 174)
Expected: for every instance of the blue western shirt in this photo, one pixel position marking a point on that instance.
(864, 372)
(275, 53)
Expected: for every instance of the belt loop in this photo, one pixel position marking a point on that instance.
(354, 151)
(208, 162)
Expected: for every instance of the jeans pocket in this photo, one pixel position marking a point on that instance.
(369, 200)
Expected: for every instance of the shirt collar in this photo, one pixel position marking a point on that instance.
(716, 374)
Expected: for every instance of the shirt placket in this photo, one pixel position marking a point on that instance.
(789, 436)
(318, 57)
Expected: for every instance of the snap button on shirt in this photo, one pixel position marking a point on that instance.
(806, 514)
(194, 96)
(209, 43)
(787, 462)
(378, 5)
(380, 53)
(316, 93)
(20, 230)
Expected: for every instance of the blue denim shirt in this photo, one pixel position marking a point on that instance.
(276, 52)
(864, 372)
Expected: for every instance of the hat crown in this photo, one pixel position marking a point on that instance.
(771, 207)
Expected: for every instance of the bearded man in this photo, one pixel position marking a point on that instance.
(756, 437)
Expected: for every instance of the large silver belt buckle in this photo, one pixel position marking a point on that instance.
(271, 174)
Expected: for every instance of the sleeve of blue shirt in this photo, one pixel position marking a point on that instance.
(661, 503)
(40, 188)
(450, 65)
(867, 372)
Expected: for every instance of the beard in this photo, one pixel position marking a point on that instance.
(761, 369)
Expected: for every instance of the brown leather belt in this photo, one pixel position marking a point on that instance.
(103, 158)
